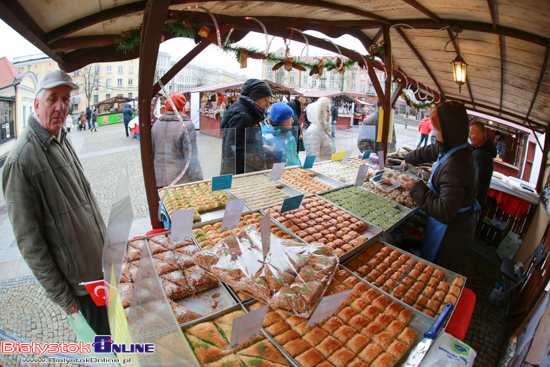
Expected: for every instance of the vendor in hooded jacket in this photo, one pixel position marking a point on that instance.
(450, 198)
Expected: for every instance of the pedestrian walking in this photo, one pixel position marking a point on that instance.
(425, 127)
(88, 117)
(94, 120)
(55, 217)
(128, 115)
(82, 121)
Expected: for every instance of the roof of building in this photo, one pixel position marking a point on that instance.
(8, 73)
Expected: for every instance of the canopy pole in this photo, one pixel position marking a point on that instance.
(386, 102)
(542, 171)
(153, 24)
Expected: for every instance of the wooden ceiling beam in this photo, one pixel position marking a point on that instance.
(539, 83)
(75, 43)
(493, 13)
(14, 15)
(423, 10)
(93, 19)
(419, 57)
(378, 35)
(312, 3)
(502, 48)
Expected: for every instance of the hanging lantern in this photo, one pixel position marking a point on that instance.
(459, 71)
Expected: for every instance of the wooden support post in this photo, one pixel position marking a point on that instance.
(397, 92)
(386, 104)
(153, 23)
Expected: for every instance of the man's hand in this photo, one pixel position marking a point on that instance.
(72, 309)
(404, 166)
(407, 182)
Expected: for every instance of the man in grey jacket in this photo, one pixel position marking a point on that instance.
(54, 214)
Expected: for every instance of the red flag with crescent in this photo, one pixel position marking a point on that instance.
(99, 290)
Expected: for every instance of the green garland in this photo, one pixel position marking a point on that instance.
(415, 105)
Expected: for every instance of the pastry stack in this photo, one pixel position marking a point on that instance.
(179, 275)
(317, 220)
(210, 234)
(367, 330)
(210, 343)
(398, 195)
(292, 277)
(303, 181)
(337, 171)
(258, 190)
(199, 197)
(415, 283)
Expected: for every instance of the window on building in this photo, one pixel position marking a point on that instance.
(107, 96)
(108, 82)
(268, 77)
(130, 81)
(363, 77)
(96, 98)
(109, 69)
(371, 90)
(353, 75)
(269, 68)
(20, 69)
(29, 68)
(305, 81)
(120, 69)
(96, 82)
(331, 84)
(323, 85)
(76, 72)
(130, 95)
(131, 69)
(313, 83)
(362, 88)
(352, 87)
(119, 82)
(96, 69)
(332, 73)
(292, 79)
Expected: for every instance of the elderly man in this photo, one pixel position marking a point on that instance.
(484, 152)
(54, 214)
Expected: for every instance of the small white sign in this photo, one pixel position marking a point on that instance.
(277, 171)
(247, 326)
(381, 162)
(182, 225)
(265, 231)
(232, 214)
(346, 157)
(327, 307)
(361, 174)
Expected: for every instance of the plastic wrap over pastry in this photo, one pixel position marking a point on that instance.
(293, 277)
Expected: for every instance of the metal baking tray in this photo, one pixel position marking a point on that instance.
(407, 213)
(321, 178)
(333, 163)
(449, 275)
(372, 233)
(210, 301)
(285, 189)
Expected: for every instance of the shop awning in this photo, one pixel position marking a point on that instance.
(332, 94)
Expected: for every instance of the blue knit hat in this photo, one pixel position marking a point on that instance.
(280, 112)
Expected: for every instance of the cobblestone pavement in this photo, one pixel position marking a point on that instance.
(26, 311)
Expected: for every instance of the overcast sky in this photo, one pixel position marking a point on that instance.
(12, 44)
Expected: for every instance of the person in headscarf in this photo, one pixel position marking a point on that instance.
(450, 198)
(317, 139)
(128, 115)
(241, 129)
(278, 138)
(170, 147)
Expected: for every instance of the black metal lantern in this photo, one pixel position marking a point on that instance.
(459, 71)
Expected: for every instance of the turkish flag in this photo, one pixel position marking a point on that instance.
(99, 290)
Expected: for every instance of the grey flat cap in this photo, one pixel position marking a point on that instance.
(54, 79)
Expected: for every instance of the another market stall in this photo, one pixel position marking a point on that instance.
(345, 103)
(110, 110)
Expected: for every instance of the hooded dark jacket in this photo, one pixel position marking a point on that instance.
(483, 156)
(243, 134)
(297, 108)
(127, 113)
(455, 182)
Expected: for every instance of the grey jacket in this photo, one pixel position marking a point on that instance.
(170, 149)
(54, 214)
(372, 120)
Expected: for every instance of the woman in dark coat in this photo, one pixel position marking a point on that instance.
(451, 196)
(241, 129)
(128, 115)
(297, 108)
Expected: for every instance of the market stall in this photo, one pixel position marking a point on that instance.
(214, 99)
(345, 103)
(109, 111)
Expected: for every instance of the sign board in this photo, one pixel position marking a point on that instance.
(182, 225)
(327, 307)
(308, 163)
(277, 171)
(292, 203)
(221, 182)
(232, 214)
(247, 326)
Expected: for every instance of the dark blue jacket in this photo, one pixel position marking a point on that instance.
(127, 113)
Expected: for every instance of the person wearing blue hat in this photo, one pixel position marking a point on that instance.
(279, 142)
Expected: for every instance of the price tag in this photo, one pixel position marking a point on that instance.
(232, 214)
(292, 203)
(182, 225)
(346, 157)
(247, 326)
(366, 154)
(361, 174)
(378, 176)
(308, 163)
(381, 162)
(265, 231)
(277, 171)
(221, 182)
(338, 156)
(327, 307)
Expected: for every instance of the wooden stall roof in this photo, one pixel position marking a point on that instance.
(505, 42)
(332, 94)
(117, 99)
(236, 87)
